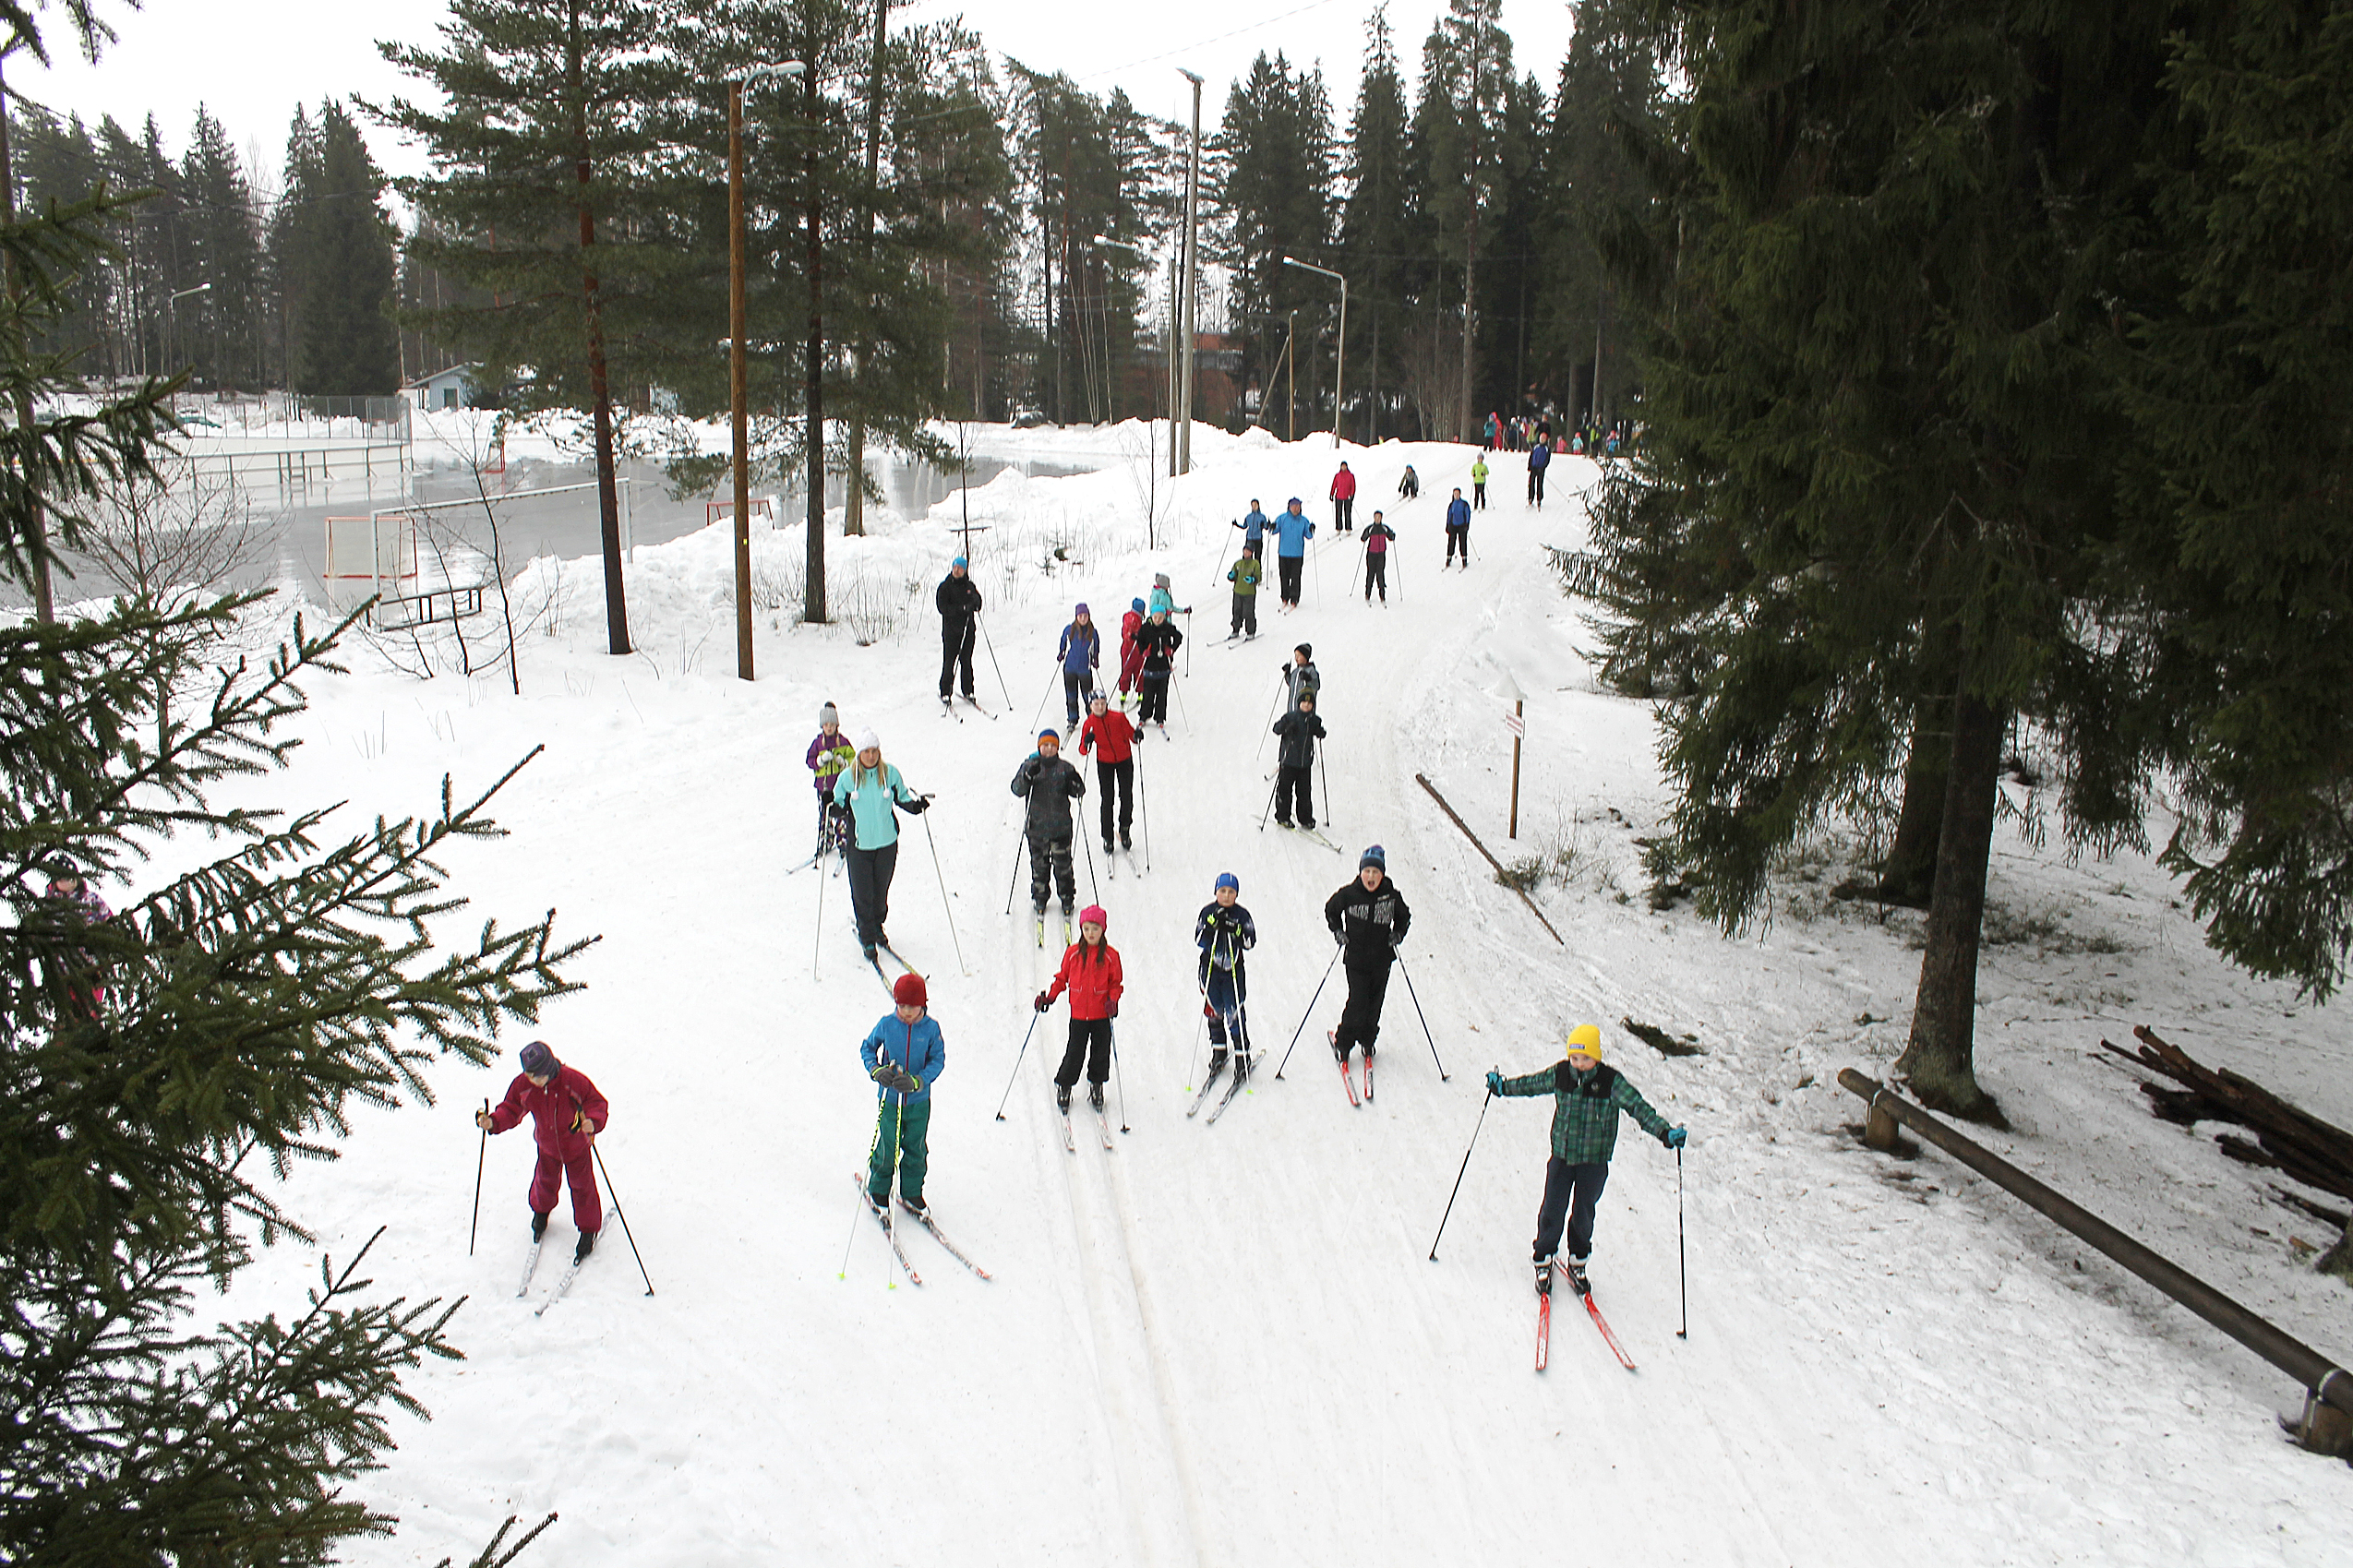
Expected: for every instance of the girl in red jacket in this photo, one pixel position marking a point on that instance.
(567, 1113)
(1111, 738)
(1090, 972)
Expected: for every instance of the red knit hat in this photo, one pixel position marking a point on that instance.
(908, 991)
(1093, 916)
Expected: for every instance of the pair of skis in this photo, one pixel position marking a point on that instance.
(876, 963)
(1103, 1125)
(1041, 931)
(1233, 1088)
(563, 1285)
(882, 1213)
(1544, 1328)
(1347, 1081)
(948, 709)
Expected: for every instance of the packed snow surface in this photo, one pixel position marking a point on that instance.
(1230, 1345)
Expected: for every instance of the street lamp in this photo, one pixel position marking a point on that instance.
(1184, 438)
(1340, 366)
(171, 317)
(736, 396)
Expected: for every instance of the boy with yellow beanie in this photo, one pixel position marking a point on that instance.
(1587, 1098)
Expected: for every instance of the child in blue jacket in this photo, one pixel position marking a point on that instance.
(905, 1055)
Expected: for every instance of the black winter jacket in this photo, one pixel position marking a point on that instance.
(1050, 787)
(1300, 732)
(1369, 925)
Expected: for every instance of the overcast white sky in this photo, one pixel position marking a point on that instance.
(252, 61)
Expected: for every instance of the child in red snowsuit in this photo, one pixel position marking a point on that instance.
(565, 1114)
(1131, 656)
(1090, 972)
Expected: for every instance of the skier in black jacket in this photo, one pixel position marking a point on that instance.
(1368, 918)
(1050, 784)
(1295, 762)
(959, 603)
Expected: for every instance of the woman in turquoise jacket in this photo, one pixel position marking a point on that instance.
(874, 788)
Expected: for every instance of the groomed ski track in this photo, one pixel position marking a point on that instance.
(1219, 1344)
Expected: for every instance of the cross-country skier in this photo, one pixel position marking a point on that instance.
(1159, 639)
(1409, 485)
(1245, 575)
(1090, 972)
(828, 755)
(1540, 458)
(874, 788)
(1164, 600)
(567, 1113)
(1587, 1098)
(1368, 918)
(958, 599)
(1050, 783)
(1253, 526)
(1458, 530)
(1081, 655)
(1293, 532)
(71, 906)
(1343, 500)
(1301, 675)
(1224, 932)
(1479, 471)
(1295, 762)
(905, 1055)
(1111, 738)
(1376, 558)
(1131, 657)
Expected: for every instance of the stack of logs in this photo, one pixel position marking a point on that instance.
(2292, 1142)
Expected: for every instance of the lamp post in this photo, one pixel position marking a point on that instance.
(736, 354)
(1340, 366)
(1192, 274)
(171, 317)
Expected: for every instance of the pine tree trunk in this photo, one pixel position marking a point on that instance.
(853, 497)
(1940, 1059)
(1909, 874)
(600, 391)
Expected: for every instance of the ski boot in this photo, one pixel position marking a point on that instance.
(587, 1245)
(1095, 1095)
(1217, 1062)
(1576, 1280)
(1061, 1098)
(1544, 1276)
(1241, 1066)
(538, 1226)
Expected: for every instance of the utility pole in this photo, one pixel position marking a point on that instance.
(1339, 367)
(1192, 274)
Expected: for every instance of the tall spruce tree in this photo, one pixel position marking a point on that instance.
(1271, 194)
(1375, 216)
(332, 244)
(218, 329)
(550, 142)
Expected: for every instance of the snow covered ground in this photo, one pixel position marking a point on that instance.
(1228, 1346)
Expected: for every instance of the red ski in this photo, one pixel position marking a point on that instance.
(1543, 1329)
(1347, 1082)
(1602, 1323)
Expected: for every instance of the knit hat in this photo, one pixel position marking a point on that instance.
(1304, 651)
(1095, 696)
(1160, 579)
(1374, 855)
(868, 740)
(1050, 733)
(907, 991)
(1082, 608)
(1228, 879)
(960, 561)
(1093, 916)
(1585, 1040)
(538, 1061)
(829, 714)
(1295, 501)
(1137, 605)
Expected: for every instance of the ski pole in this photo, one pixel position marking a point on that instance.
(1143, 806)
(1034, 1017)
(483, 1153)
(1459, 1175)
(1682, 1267)
(1308, 1015)
(1418, 1013)
(1180, 697)
(992, 658)
(1271, 800)
(1268, 728)
(944, 905)
(1088, 839)
(1326, 774)
(1117, 1071)
(816, 943)
(1043, 701)
(622, 1218)
(1015, 879)
(1188, 658)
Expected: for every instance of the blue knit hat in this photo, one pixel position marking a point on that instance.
(1295, 501)
(1136, 604)
(1374, 855)
(539, 1061)
(960, 561)
(1051, 733)
(1228, 879)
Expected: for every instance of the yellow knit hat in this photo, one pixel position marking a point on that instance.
(1585, 1040)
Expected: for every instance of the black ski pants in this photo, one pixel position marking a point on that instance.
(1571, 1191)
(1535, 486)
(1294, 791)
(1344, 514)
(1376, 575)
(1287, 571)
(1458, 539)
(1119, 776)
(1245, 613)
(1153, 686)
(1368, 986)
(955, 650)
(1050, 858)
(1090, 1039)
(870, 871)
(1478, 495)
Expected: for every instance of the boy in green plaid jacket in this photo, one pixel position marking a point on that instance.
(1587, 1098)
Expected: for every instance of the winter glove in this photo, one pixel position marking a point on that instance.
(1495, 1083)
(1111, 1012)
(1339, 936)
(884, 1072)
(1675, 1137)
(917, 807)
(1043, 1001)
(1031, 768)
(909, 1083)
